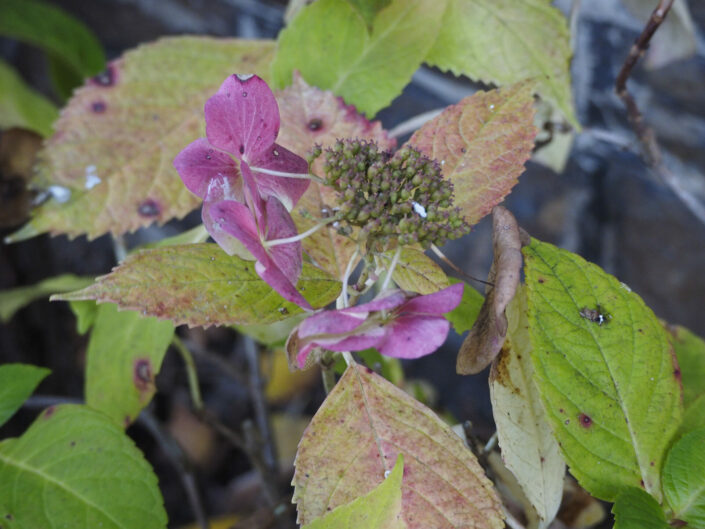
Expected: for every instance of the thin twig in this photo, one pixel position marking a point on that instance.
(450, 263)
(180, 461)
(413, 123)
(191, 372)
(266, 442)
(645, 134)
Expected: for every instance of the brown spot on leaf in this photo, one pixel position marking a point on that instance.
(142, 375)
(149, 208)
(72, 443)
(585, 420)
(315, 124)
(49, 412)
(596, 315)
(106, 78)
(99, 107)
(641, 482)
(541, 280)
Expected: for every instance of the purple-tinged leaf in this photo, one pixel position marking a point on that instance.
(287, 190)
(482, 143)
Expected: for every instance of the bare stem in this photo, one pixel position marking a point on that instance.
(300, 236)
(283, 174)
(450, 263)
(346, 278)
(191, 372)
(390, 270)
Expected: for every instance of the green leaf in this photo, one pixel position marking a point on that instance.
(415, 271)
(690, 351)
(693, 416)
(368, 9)
(464, 315)
(75, 468)
(14, 299)
(21, 106)
(85, 312)
(504, 42)
(482, 144)
(329, 44)
(529, 449)
(636, 509)
(605, 371)
(357, 434)
(684, 478)
(378, 509)
(124, 356)
(73, 49)
(17, 382)
(116, 139)
(199, 284)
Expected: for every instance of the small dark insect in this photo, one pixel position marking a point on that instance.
(595, 315)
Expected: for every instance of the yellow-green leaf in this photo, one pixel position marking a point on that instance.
(605, 370)
(17, 382)
(199, 284)
(328, 42)
(115, 141)
(529, 449)
(415, 271)
(378, 509)
(21, 106)
(124, 356)
(504, 42)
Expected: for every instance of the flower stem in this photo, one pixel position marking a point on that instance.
(391, 268)
(283, 174)
(346, 277)
(300, 236)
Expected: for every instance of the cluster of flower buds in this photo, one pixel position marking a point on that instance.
(401, 197)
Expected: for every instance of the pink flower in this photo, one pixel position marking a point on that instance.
(243, 206)
(398, 324)
(242, 120)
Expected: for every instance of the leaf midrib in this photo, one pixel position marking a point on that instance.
(60, 485)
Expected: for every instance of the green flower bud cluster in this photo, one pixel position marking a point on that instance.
(401, 196)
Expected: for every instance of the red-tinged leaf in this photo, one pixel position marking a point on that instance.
(482, 144)
(355, 438)
(115, 141)
(199, 284)
(310, 116)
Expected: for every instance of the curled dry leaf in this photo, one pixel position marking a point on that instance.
(487, 336)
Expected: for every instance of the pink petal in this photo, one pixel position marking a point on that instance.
(359, 342)
(279, 225)
(231, 218)
(414, 336)
(288, 190)
(242, 117)
(388, 300)
(437, 303)
(332, 322)
(199, 163)
(270, 273)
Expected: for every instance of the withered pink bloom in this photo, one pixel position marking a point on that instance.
(240, 202)
(398, 324)
(280, 266)
(242, 120)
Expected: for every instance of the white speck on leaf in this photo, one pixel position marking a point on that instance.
(60, 193)
(418, 208)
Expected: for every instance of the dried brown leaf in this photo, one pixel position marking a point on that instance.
(487, 336)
